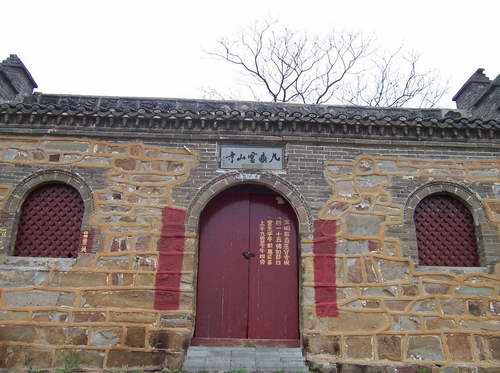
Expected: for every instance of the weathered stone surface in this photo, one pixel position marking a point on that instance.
(85, 358)
(122, 279)
(425, 347)
(436, 288)
(355, 321)
(108, 337)
(425, 305)
(164, 339)
(135, 359)
(363, 225)
(317, 344)
(118, 298)
(15, 278)
(14, 315)
(176, 321)
(133, 317)
(113, 262)
(453, 306)
(66, 146)
(389, 347)
(62, 335)
(21, 357)
(38, 298)
(89, 316)
(439, 323)
(78, 279)
(358, 347)
(391, 270)
(354, 268)
(406, 323)
(144, 279)
(128, 164)
(17, 333)
(459, 347)
(136, 337)
(469, 290)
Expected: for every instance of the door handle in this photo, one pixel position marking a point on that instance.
(247, 254)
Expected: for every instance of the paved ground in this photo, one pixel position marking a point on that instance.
(251, 359)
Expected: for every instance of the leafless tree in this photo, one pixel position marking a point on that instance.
(284, 65)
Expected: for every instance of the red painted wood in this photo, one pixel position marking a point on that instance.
(238, 298)
(273, 288)
(171, 251)
(50, 222)
(222, 301)
(324, 268)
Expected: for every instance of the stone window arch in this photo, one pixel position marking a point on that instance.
(65, 199)
(483, 229)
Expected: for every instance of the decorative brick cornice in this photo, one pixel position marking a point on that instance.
(165, 116)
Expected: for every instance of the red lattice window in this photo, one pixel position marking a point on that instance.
(445, 232)
(50, 222)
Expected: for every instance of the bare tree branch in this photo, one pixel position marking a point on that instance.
(291, 66)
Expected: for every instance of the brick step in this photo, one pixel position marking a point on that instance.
(251, 359)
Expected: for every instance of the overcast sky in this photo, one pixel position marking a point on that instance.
(155, 48)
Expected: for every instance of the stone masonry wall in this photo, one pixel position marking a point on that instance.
(392, 311)
(101, 305)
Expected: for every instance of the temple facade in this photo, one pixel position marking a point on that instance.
(153, 233)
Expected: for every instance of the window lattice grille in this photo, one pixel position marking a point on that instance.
(445, 233)
(50, 222)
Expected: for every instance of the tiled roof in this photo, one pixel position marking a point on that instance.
(164, 115)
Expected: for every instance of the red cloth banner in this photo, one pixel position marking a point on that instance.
(324, 268)
(171, 252)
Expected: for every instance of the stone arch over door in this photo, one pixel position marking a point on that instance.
(13, 204)
(483, 227)
(269, 180)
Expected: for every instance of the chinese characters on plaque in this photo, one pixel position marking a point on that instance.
(253, 157)
(274, 242)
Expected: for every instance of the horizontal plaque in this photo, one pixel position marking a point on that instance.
(251, 157)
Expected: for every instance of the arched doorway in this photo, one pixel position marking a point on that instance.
(247, 269)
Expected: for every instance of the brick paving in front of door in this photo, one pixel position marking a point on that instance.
(250, 359)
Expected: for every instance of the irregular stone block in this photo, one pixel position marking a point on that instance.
(436, 288)
(36, 298)
(118, 298)
(113, 262)
(438, 323)
(85, 358)
(108, 337)
(136, 337)
(66, 146)
(391, 270)
(425, 305)
(17, 333)
(89, 316)
(355, 321)
(14, 315)
(317, 344)
(459, 347)
(389, 347)
(16, 278)
(176, 321)
(363, 225)
(425, 347)
(453, 306)
(133, 317)
(122, 279)
(21, 357)
(358, 347)
(50, 316)
(78, 279)
(128, 164)
(171, 340)
(469, 290)
(354, 269)
(135, 359)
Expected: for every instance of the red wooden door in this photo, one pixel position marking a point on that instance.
(247, 276)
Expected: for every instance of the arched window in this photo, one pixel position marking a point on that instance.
(50, 222)
(445, 232)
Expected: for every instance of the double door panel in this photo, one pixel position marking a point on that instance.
(247, 276)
